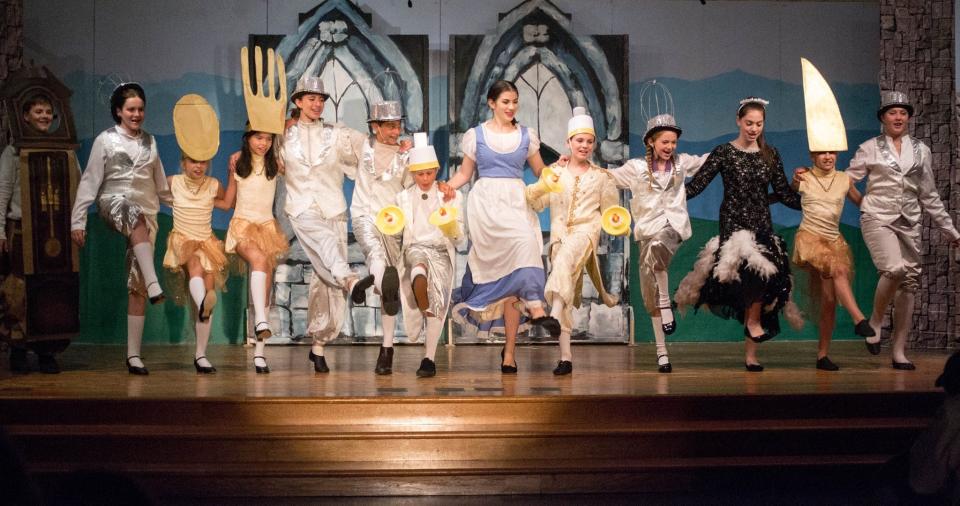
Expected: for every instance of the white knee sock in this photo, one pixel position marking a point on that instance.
(143, 252)
(566, 353)
(317, 349)
(197, 290)
(661, 341)
(434, 329)
(389, 329)
(902, 322)
(203, 337)
(376, 269)
(663, 297)
(556, 307)
(134, 338)
(886, 290)
(258, 294)
(417, 270)
(258, 352)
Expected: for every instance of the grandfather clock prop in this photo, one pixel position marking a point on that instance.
(48, 176)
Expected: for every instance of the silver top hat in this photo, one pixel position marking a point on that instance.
(388, 110)
(309, 84)
(661, 122)
(890, 99)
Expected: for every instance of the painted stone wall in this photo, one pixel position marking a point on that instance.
(11, 46)
(917, 57)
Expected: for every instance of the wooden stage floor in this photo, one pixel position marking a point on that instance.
(98, 371)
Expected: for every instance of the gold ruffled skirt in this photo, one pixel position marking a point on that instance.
(266, 236)
(826, 256)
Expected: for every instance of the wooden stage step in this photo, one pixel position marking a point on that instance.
(623, 437)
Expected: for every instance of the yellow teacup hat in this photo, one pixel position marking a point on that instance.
(422, 154)
(580, 123)
(196, 127)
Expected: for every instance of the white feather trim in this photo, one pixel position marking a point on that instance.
(689, 290)
(742, 246)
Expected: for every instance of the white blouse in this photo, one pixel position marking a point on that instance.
(502, 143)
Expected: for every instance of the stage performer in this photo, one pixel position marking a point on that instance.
(819, 249)
(504, 280)
(899, 187)
(316, 156)
(254, 233)
(433, 232)
(661, 222)
(381, 175)
(744, 272)
(38, 115)
(125, 177)
(192, 249)
(575, 212)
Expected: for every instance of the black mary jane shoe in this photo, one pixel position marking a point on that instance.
(19, 364)
(863, 328)
(132, 369)
(261, 370)
(359, 292)
(753, 367)
(668, 328)
(563, 368)
(390, 286)
(156, 299)
(664, 368)
(549, 323)
(825, 364)
(904, 366)
(873, 348)
(319, 363)
(384, 362)
(759, 339)
(507, 369)
(202, 369)
(47, 364)
(428, 368)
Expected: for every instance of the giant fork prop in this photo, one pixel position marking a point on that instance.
(265, 110)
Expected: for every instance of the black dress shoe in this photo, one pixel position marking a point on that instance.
(359, 292)
(261, 370)
(759, 339)
(664, 368)
(904, 366)
(384, 361)
(825, 364)
(319, 363)
(428, 369)
(132, 369)
(563, 368)
(668, 328)
(18, 361)
(873, 348)
(507, 369)
(47, 364)
(156, 299)
(549, 323)
(753, 367)
(863, 329)
(202, 369)
(390, 286)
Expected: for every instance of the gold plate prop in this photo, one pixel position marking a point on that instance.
(390, 220)
(615, 220)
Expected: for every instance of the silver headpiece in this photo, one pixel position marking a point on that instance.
(753, 100)
(389, 110)
(309, 84)
(890, 99)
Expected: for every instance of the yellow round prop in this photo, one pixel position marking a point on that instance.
(390, 220)
(445, 219)
(196, 127)
(615, 220)
(551, 180)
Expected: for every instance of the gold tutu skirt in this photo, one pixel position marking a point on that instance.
(266, 236)
(812, 251)
(179, 251)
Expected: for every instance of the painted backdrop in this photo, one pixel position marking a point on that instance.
(709, 56)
